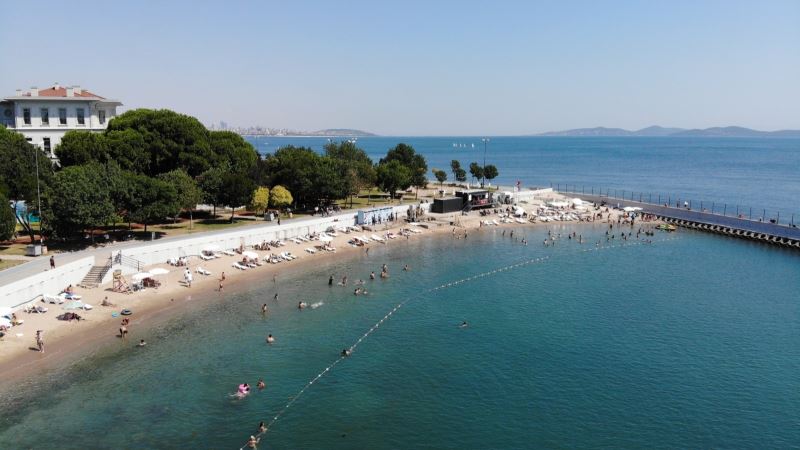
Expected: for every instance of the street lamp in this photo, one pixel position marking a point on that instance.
(485, 142)
(38, 195)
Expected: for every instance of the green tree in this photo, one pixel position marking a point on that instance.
(297, 169)
(230, 148)
(188, 192)
(490, 172)
(173, 141)
(211, 184)
(237, 190)
(356, 167)
(78, 200)
(260, 200)
(393, 176)
(153, 200)
(280, 197)
(441, 176)
(81, 147)
(19, 161)
(414, 162)
(461, 175)
(455, 166)
(129, 149)
(476, 171)
(8, 220)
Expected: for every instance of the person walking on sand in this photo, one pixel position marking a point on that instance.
(40, 341)
(52, 262)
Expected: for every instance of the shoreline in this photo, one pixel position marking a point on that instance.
(69, 343)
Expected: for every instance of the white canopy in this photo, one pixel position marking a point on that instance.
(159, 271)
(141, 276)
(631, 208)
(251, 255)
(519, 211)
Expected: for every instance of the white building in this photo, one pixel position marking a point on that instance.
(44, 115)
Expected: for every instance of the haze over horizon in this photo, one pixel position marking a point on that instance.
(414, 68)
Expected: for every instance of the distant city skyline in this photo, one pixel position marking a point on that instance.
(422, 68)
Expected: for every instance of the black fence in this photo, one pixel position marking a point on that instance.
(755, 214)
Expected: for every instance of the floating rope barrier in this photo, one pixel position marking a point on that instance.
(386, 317)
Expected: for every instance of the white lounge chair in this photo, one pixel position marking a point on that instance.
(311, 250)
(239, 266)
(52, 299)
(229, 252)
(206, 257)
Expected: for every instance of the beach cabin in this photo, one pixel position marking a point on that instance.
(447, 205)
(475, 199)
(374, 216)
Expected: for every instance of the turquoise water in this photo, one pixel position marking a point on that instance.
(751, 173)
(692, 341)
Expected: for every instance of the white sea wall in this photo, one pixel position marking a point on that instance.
(50, 282)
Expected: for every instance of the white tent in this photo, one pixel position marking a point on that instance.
(141, 276)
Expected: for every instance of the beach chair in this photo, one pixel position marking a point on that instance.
(229, 252)
(239, 266)
(311, 250)
(206, 257)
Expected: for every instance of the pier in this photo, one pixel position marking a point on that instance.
(765, 230)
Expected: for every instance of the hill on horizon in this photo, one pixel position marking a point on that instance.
(658, 131)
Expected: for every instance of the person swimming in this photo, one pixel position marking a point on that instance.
(301, 305)
(270, 339)
(261, 385)
(262, 427)
(330, 281)
(253, 442)
(346, 352)
(372, 275)
(264, 309)
(464, 324)
(141, 343)
(405, 268)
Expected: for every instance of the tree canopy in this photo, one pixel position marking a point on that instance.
(415, 163)
(490, 172)
(78, 199)
(280, 197)
(393, 176)
(441, 176)
(8, 220)
(354, 166)
(260, 200)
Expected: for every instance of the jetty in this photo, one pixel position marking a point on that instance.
(682, 214)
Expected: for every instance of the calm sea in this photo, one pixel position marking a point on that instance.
(751, 173)
(689, 342)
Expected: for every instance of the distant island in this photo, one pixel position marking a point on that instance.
(330, 132)
(657, 131)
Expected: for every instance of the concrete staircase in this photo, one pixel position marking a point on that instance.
(95, 276)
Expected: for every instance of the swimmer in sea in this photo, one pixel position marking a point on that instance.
(261, 385)
(301, 305)
(252, 442)
(276, 297)
(346, 352)
(330, 281)
(464, 324)
(262, 427)
(264, 309)
(270, 339)
(405, 268)
(372, 275)
(141, 343)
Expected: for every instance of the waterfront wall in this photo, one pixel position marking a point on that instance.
(156, 252)
(20, 292)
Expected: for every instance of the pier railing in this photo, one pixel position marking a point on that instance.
(742, 212)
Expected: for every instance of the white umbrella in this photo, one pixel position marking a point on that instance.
(141, 276)
(629, 209)
(251, 255)
(5, 322)
(211, 248)
(325, 238)
(159, 271)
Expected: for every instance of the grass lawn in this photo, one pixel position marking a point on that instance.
(6, 263)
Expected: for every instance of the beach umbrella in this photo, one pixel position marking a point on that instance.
(141, 276)
(5, 311)
(629, 209)
(5, 322)
(251, 255)
(159, 271)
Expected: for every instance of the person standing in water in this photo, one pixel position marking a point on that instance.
(264, 309)
(270, 339)
(330, 281)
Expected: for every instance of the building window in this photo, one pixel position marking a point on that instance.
(45, 116)
(46, 142)
(26, 116)
(62, 116)
(101, 116)
(81, 119)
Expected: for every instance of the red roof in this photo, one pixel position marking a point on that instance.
(60, 91)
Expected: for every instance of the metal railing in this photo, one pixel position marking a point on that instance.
(133, 263)
(677, 201)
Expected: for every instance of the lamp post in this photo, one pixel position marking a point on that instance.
(38, 195)
(485, 142)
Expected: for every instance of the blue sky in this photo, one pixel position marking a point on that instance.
(421, 68)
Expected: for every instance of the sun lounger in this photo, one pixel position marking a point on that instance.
(377, 238)
(206, 257)
(296, 241)
(229, 252)
(202, 271)
(251, 265)
(311, 250)
(239, 266)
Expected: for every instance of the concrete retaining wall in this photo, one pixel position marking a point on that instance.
(50, 282)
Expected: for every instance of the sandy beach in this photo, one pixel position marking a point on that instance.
(66, 342)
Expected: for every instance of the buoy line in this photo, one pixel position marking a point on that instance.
(434, 289)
